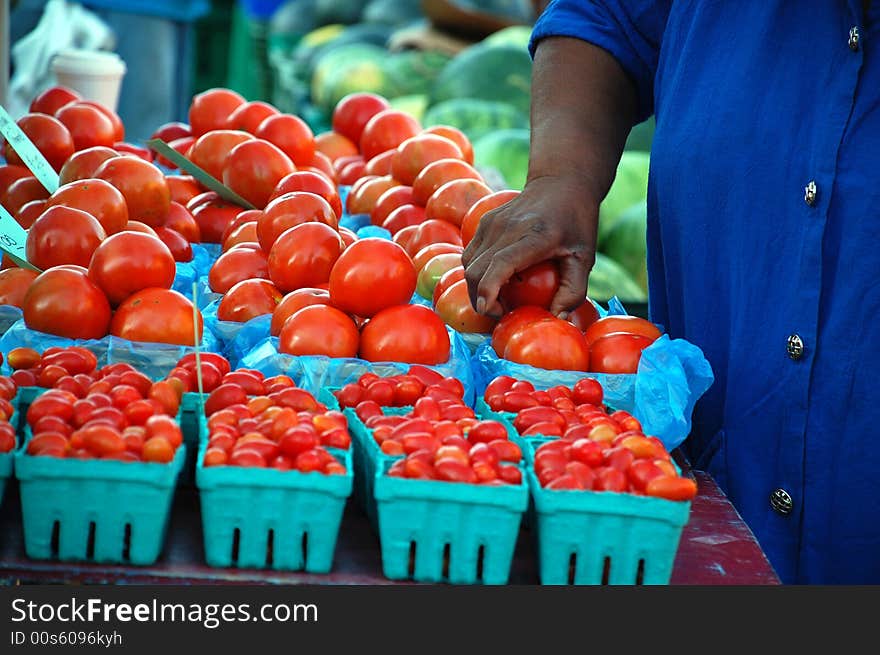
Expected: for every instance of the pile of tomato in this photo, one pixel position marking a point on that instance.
(8, 389)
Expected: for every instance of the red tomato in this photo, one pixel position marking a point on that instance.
(386, 130)
(433, 270)
(293, 302)
(210, 109)
(53, 99)
(319, 330)
(584, 316)
(404, 237)
(29, 213)
(627, 324)
(248, 116)
(210, 150)
(380, 164)
(62, 235)
(157, 316)
(137, 226)
(248, 299)
(170, 131)
(64, 301)
(235, 266)
(511, 323)
(354, 111)
(254, 168)
(88, 125)
(388, 202)
(244, 232)
(587, 391)
(14, 283)
(293, 209)
(534, 286)
(157, 449)
(143, 186)
(183, 188)
(426, 254)
(291, 135)
(617, 352)
(438, 173)
(454, 307)
(414, 154)
(313, 183)
(471, 220)
(182, 146)
(83, 164)
(213, 218)
(23, 191)
(371, 275)
(335, 146)
(97, 197)
(405, 333)
(672, 488)
(10, 174)
(128, 262)
(402, 217)
(446, 280)
(49, 135)
(551, 344)
(457, 137)
(118, 130)
(454, 199)
(321, 164)
(182, 221)
(366, 193)
(303, 256)
(433, 231)
(246, 216)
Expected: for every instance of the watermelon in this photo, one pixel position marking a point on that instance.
(609, 279)
(626, 244)
(513, 10)
(630, 186)
(295, 17)
(517, 35)
(392, 12)
(348, 68)
(641, 136)
(475, 117)
(414, 71)
(500, 73)
(414, 105)
(339, 11)
(507, 151)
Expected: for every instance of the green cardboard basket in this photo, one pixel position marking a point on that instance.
(266, 518)
(7, 460)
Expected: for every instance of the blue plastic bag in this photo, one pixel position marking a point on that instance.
(354, 222)
(235, 339)
(9, 314)
(153, 359)
(313, 372)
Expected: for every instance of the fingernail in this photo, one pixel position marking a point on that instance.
(563, 316)
(481, 305)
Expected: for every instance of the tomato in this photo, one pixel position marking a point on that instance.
(182, 221)
(433, 269)
(213, 218)
(390, 200)
(246, 216)
(426, 254)
(341, 162)
(387, 130)
(88, 125)
(248, 299)
(551, 344)
(584, 316)
(291, 135)
(49, 135)
(182, 146)
(170, 131)
(293, 302)
(157, 449)
(8, 175)
(183, 188)
(313, 183)
(472, 218)
(157, 316)
(128, 262)
(19, 358)
(414, 154)
(64, 301)
(23, 191)
(29, 213)
(244, 232)
(137, 226)
(14, 283)
(404, 237)
(53, 99)
(617, 352)
(364, 195)
(371, 275)
(670, 488)
(452, 201)
(62, 235)
(433, 231)
(380, 164)
(292, 209)
(533, 286)
(253, 169)
(118, 130)
(446, 280)
(457, 137)
(405, 333)
(511, 323)
(627, 324)
(354, 111)
(587, 391)
(236, 265)
(143, 186)
(438, 173)
(210, 150)
(303, 256)
(97, 197)
(454, 307)
(249, 116)
(211, 109)
(321, 164)
(319, 330)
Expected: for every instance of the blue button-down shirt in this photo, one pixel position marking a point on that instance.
(754, 100)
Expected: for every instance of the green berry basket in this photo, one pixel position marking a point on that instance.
(270, 519)
(7, 460)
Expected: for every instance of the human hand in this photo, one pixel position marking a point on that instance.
(555, 217)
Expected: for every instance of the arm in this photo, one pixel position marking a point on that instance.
(583, 105)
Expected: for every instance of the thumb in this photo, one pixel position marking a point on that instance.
(573, 274)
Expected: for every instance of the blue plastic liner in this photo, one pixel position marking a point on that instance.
(354, 222)
(671, 377)
(194, 271)
(214, 250)
(153, 359)
(9, 315)
(313, 372)
(122, 507)
(236, 339)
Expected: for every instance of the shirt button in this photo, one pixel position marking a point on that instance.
(781, 502)
(810, 193)
(795, 347)
(854, 39)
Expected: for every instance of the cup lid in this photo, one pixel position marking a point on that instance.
(88, 62)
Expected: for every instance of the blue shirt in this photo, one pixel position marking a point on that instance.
(763, 224)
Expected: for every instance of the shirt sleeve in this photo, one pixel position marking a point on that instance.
(629, 30)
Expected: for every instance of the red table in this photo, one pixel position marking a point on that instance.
(716, 548)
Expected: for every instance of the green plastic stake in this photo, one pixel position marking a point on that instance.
(199, 173)
(12, 239)
(28, 152)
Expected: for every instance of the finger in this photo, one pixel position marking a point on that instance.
(573, 275)
(476, 245)
(507, 261)
(473, 274)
